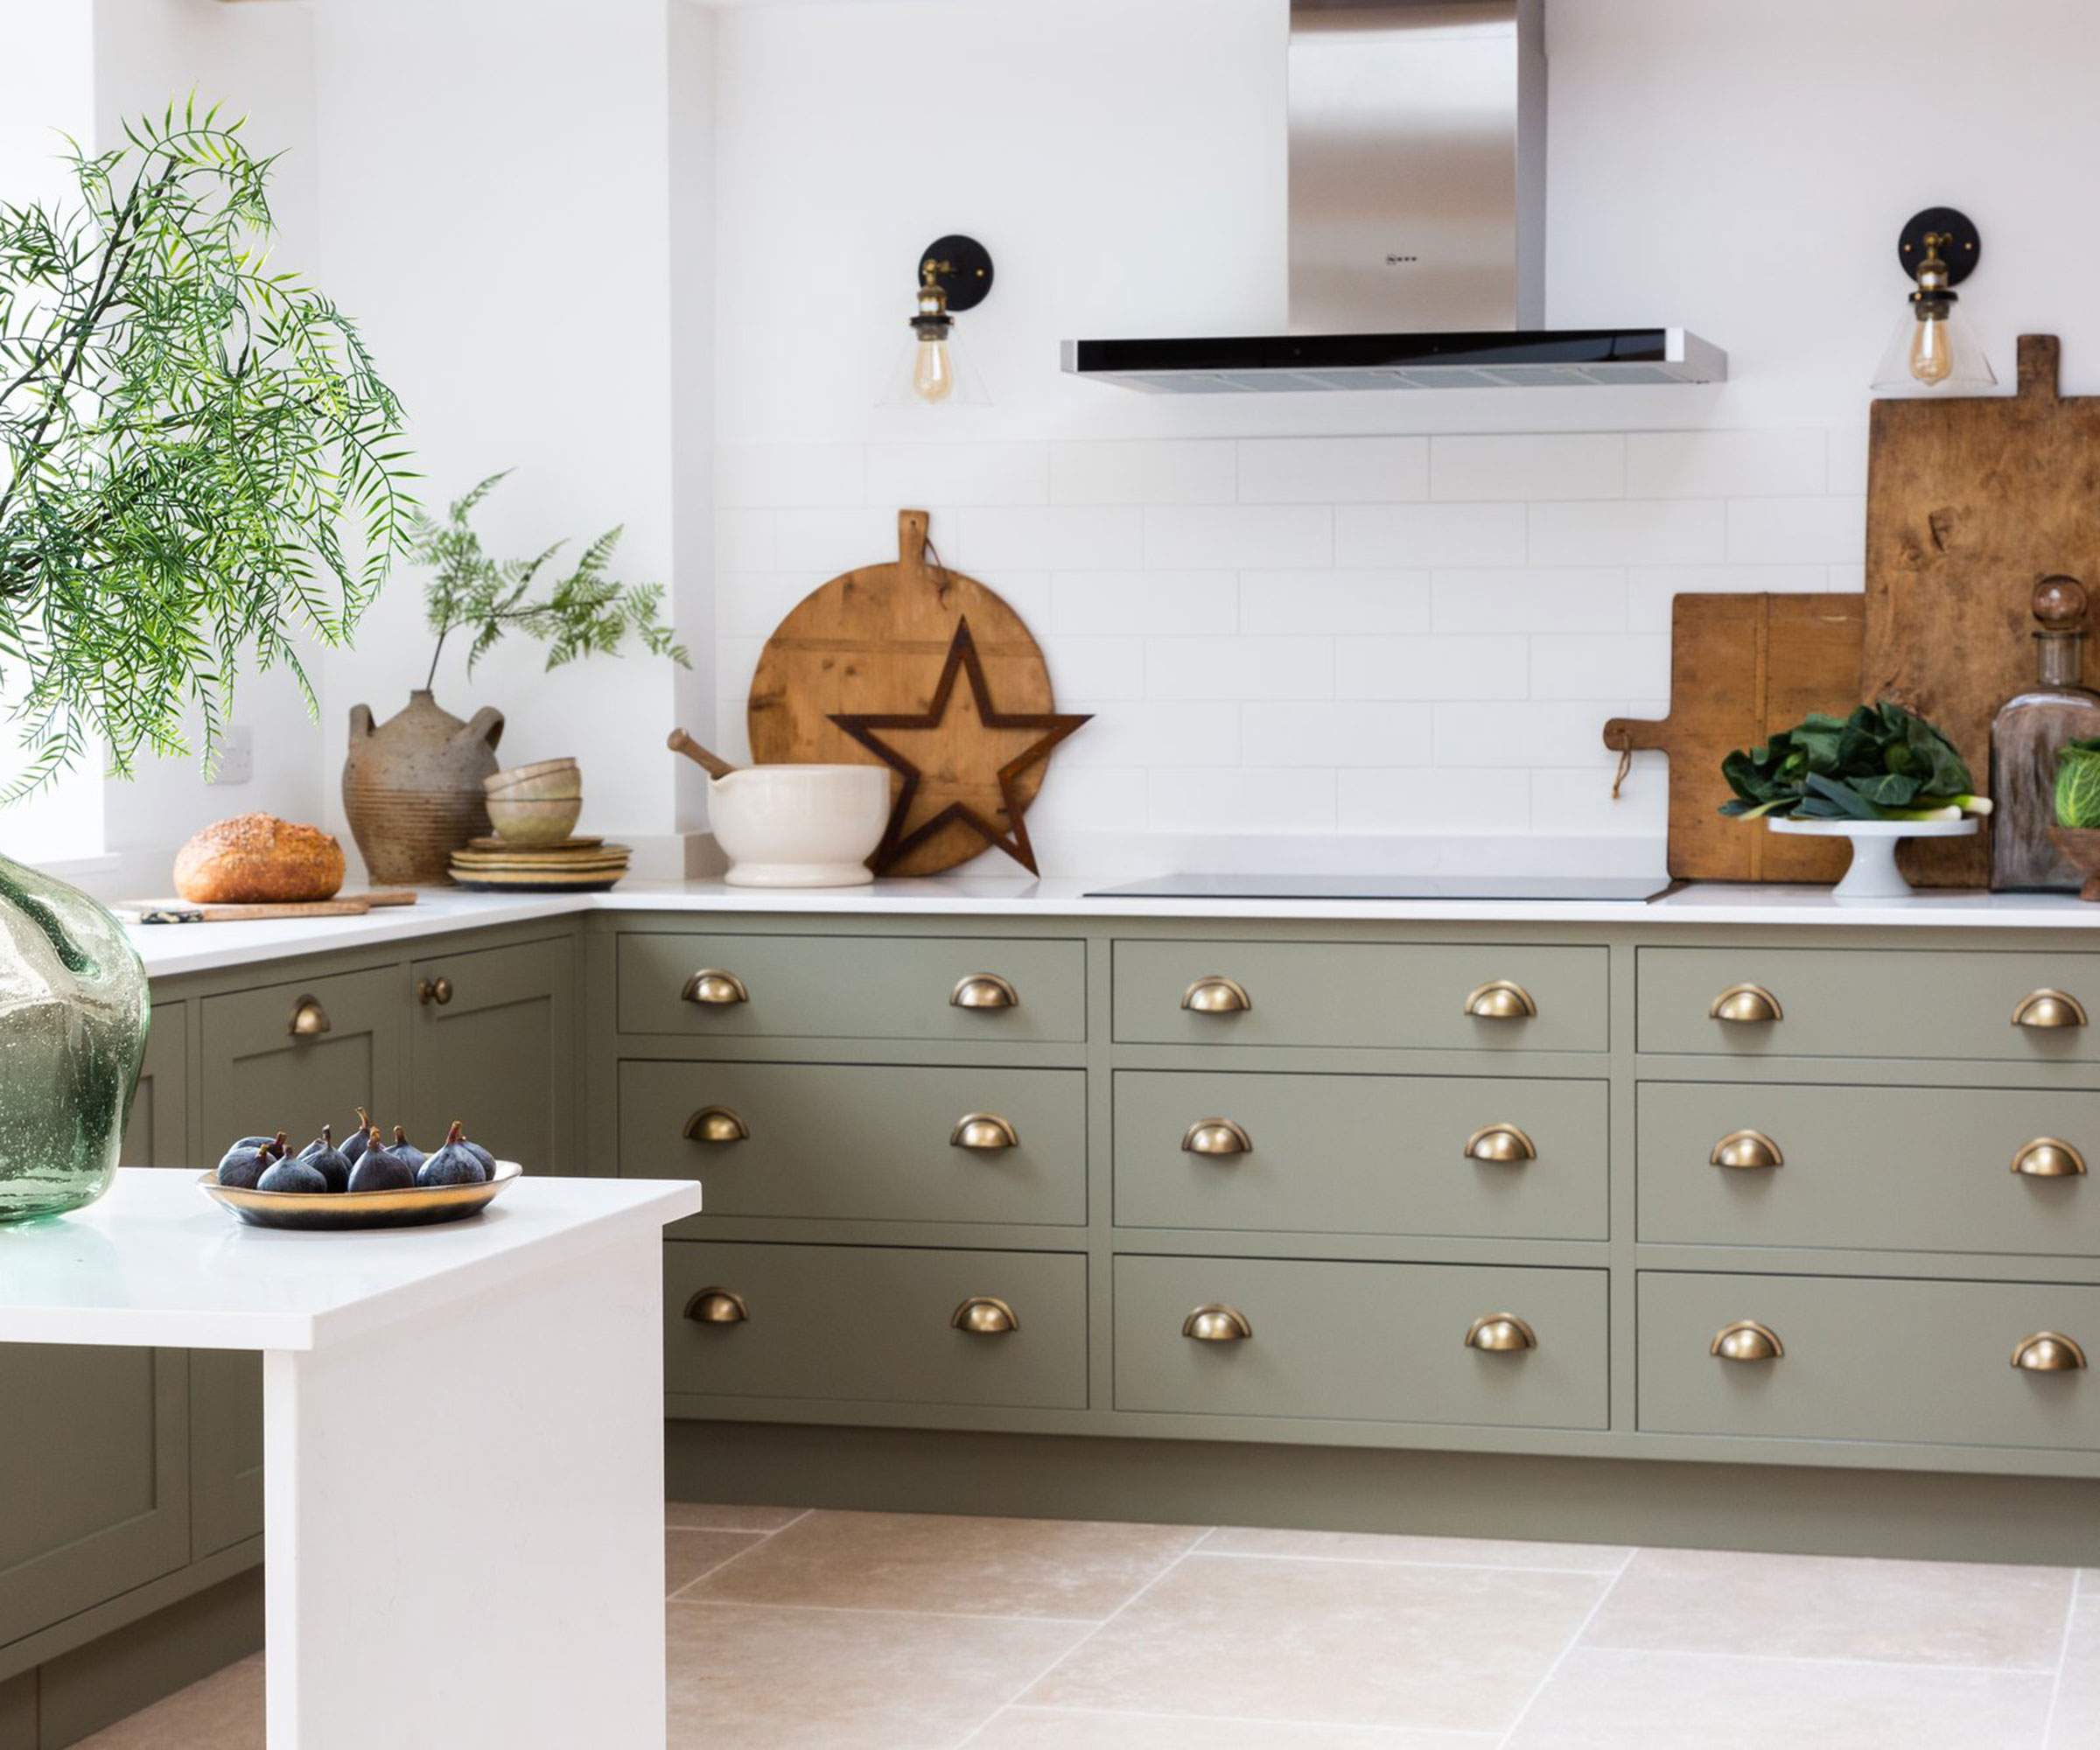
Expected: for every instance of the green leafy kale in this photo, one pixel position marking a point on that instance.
(1880, 763)
(2078, 784)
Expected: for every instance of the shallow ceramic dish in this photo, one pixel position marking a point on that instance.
(800, 826)
(534, 820)
(338, 1211)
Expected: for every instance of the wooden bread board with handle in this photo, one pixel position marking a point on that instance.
(1741, 667)
(197, 912)
(1970, 503)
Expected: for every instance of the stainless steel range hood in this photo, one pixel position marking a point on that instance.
(1417, 222)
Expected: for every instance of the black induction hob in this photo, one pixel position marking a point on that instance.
(1631, 890)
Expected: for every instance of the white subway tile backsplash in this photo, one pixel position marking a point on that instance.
(1570, 802)
(1723, 464)
(1138, 603)
(1631, 532)
(1335, 733)
(1830, 531)
(1576, 465)
(1105, 668)
(1650, 591)
(1050, 537)
(773, 475)
(1149, 733)
(1157, 471)
(1247, 535)
(1084, 799)
(1340, 602)
(915, 474)
(1248, 799)
(825, 542)
(1426, 800)
(1569, 599)
(743, 540)
(1524, 734)
(1593, 666)
(1847, 476)
(1239, 668)
(1333, 470)
(1432, 669)
(1418, 535)
(750, 603)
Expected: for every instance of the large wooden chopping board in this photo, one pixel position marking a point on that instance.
(874, 640)
(1741, 667)
(1969, 503)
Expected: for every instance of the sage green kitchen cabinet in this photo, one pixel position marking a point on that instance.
(294, 1055)
(225, 1448)
(492, 1041)
(157, 1134)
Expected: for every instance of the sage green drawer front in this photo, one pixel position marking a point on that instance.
(1383, 995)
(1361, 1342)
(1841, 1002)
(1899, 1360)
(860, 1142)
(872, 1324)
(1906, 1169)
(854, 987)
(1375, 1154)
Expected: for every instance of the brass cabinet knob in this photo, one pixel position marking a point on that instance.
(1499, 1333)
(437, 990)
(715, 988)
(718, 1306)
(1217, 1324)
(1501, 1143)
(1746, 1151)
(2047, 1008)
(2047, 1352)
(984, 991)
(1747, 1340)
(1501, 1000)
(1216, 1136)
(309, 1020)
(1213, 994)
(2049, 1157)
(1747, 1005)
(984, 1315)
(717, 1124)
(985, 1131)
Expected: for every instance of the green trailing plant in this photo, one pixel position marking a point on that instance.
(585, 614)
(2078, 784)
(197, 460)
(1880, 763)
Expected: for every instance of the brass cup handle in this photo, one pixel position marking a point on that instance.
(1500, 999)
(1747, 1340)
(2049, 1157)
(984, 991)
(2046, 1008)
(1501, 1143)
(1499, 1333)
(984, 1315)
(2048, 1352)
(717, 1124)
(718, 1306)
(1746, 1005)
(1217, 1324)
(437, 990)
(1215, 994)
(1747, 1151)
(714, 989)
(1216, 1137)
(986, 1131)
(309, 1020)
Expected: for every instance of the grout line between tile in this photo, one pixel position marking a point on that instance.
(2063, 1657)
(679, 1597)
(1560, 1659)
(1344, 1730)
(1400, 1562)
(758, 1541)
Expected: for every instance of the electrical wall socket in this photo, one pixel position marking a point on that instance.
(236, 756)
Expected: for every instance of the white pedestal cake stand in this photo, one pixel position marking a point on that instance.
(1873, 874)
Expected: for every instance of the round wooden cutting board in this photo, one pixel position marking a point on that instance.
(876, 641)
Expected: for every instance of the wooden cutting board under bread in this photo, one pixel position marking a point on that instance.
(1741, 667)
(194, 912)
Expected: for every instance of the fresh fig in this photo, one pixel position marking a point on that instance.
(487, 1160)
(453, 1163)
(407, 1151)
(354, 1143)
(378, 1168)
(292, 1175)
(242, 1167)
(324, 1158)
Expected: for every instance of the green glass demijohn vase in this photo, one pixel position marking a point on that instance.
(74, 1010)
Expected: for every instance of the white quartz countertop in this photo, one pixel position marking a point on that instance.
(170, 950)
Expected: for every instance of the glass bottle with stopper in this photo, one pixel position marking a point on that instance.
(2027, 735)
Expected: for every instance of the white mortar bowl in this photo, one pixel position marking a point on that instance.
(800, 826)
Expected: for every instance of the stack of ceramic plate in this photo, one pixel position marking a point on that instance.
(568, 866)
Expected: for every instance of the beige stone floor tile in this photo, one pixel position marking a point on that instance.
(223, 1711)
(760, 1678)
(687, 1555)
(978, 1567)
(697, 1515)
(1837, 1607)
(1368, 1546)
(1329, 1643)
(2075, 1719)
(1604, 1700)
(1057, 1728)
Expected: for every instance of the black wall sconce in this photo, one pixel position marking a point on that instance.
(1934, 347)
(955, 275)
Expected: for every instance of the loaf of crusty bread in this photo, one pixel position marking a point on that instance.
(258, 858)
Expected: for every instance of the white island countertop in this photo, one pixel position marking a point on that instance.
(170, 950)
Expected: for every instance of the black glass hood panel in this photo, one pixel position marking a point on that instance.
(1489, 360)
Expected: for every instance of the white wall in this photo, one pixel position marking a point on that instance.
(1352, 615)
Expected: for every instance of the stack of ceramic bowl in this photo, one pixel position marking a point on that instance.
(536, 804)
(534, 809)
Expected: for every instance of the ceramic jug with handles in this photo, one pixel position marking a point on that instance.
(412, 788)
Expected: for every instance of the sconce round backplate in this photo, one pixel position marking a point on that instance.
(967, 276)
(1961, 256)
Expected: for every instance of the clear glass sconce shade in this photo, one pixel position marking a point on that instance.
(934, 373)
(1936, 356)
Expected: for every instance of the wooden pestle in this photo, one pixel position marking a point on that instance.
(712, 764)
